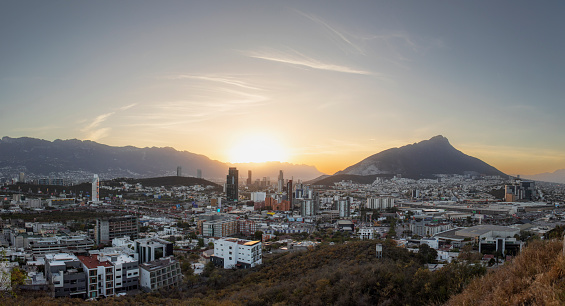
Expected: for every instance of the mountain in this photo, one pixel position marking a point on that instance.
(77, 159)
(271, 170)
(558, 176)
(359, 179)
(421, 160)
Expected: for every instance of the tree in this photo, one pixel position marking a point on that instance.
(186, 268)
(208, 269)
(258, 235)
(427, 254)
(200, 242)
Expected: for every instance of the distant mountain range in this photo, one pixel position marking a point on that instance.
(558, 176)
(60, 157)
(420, 160)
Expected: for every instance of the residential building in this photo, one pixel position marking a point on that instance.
(65, 273)
(116, 227)
(246, 227)
(380, 203)
(150, 249)
(126, 270)
(159, 273)
(344, 208)
(309, 208)
(100, 281)
(237, 253)
(219, 228)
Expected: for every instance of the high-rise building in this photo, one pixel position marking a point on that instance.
(309, 208)
(95, 188)
(344, 208)
(179, 171)
(249, 180)
(232, 184)
(289, 192)
(198, 173)
(380, 203)
(520, 190)
(280, 182)
(22, 177)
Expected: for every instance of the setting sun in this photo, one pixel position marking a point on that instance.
(257, 150)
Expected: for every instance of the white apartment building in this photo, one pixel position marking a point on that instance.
(380, 203)
(240, 253)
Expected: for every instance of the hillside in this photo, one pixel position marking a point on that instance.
(359, 179)
(85, 188)
(535, 277)
(422, 160)
(345, 274)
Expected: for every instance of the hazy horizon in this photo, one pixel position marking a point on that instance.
(295, 81)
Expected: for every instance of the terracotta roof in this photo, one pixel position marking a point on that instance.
(91, 262)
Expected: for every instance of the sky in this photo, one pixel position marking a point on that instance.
(323, 83)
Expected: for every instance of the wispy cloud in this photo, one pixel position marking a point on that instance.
(210, 96)
(228, 80)
(92, 129)
(339, 36)
(299, 59)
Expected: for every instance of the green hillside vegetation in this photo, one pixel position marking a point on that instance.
(345, 274)
(535, 277)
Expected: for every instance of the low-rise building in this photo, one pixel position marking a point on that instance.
(150, 249)
(240, 253)
(366, 233)
(65, 273)
(100, 276)
(160, 273)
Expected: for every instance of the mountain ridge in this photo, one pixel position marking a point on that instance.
(557, 176)
(422, 159)
(43, 158)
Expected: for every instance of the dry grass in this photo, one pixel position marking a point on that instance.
(535, 277)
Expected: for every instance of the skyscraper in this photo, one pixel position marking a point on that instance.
(281, 182)
(289, 193)
(179, 171)
(232, 184)
(249, 180)
(198, 173)
(95, 188)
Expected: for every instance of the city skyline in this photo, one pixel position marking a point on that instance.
(300, 82)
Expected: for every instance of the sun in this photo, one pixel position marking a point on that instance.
(257, 150)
